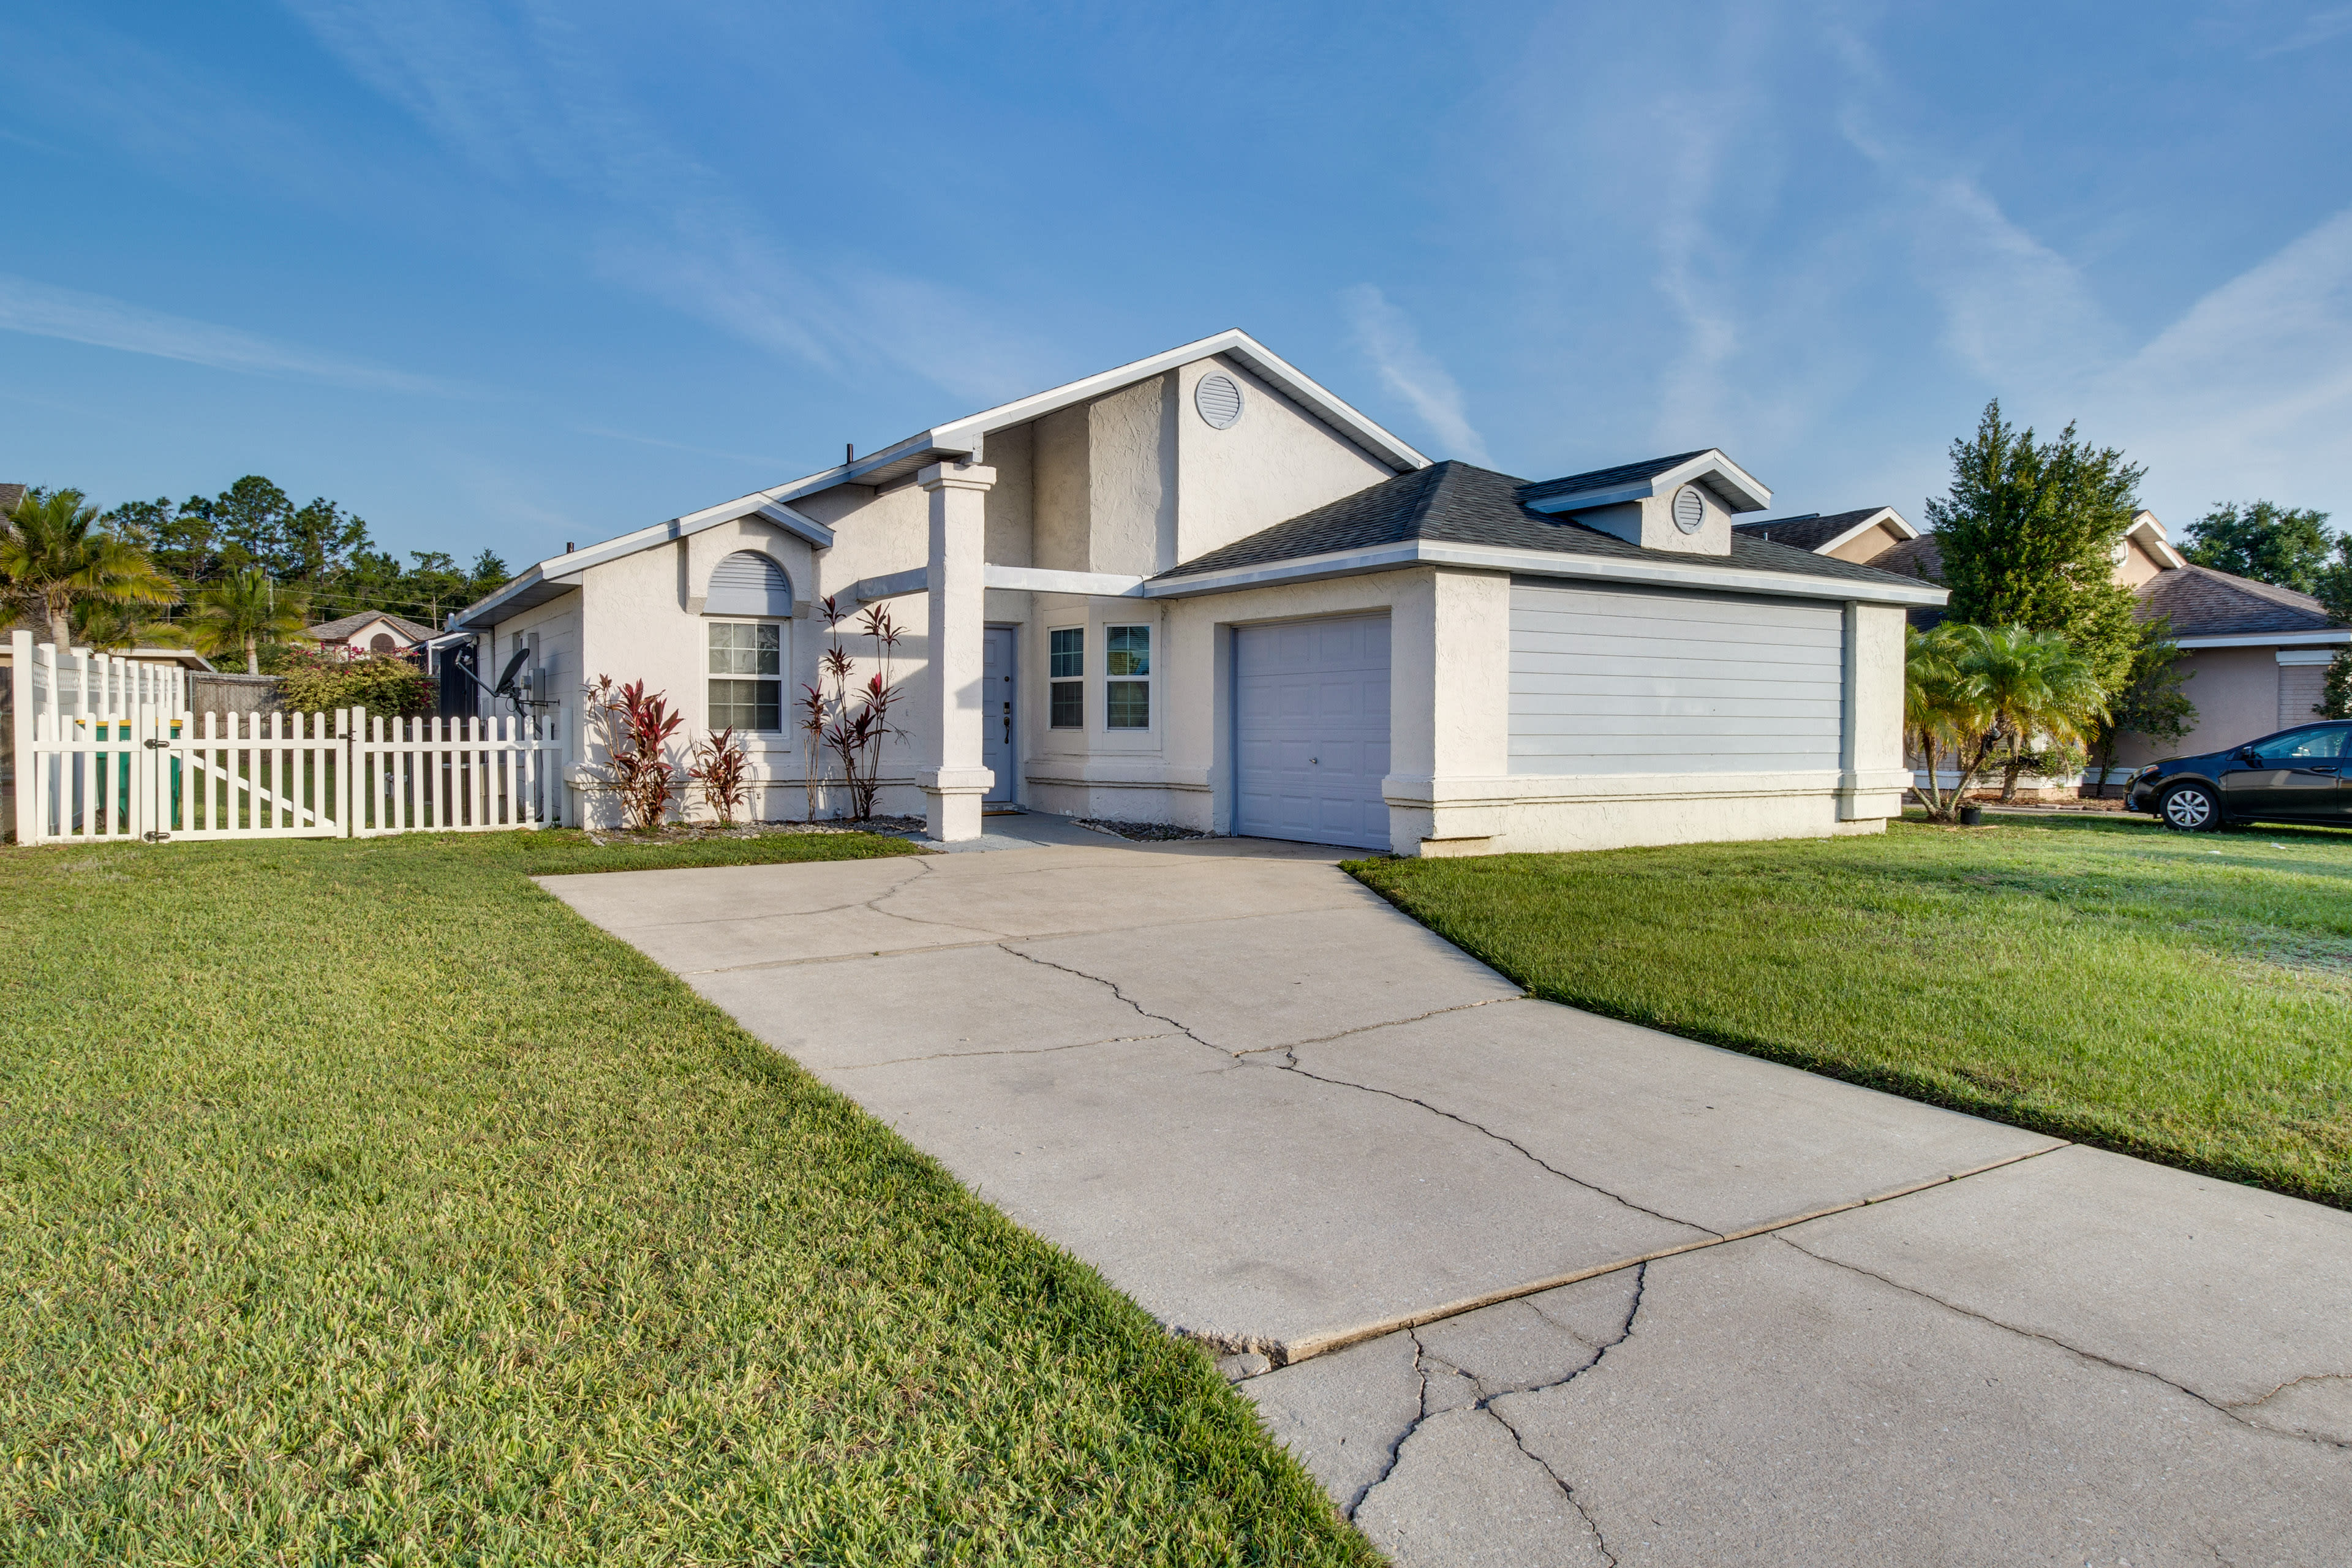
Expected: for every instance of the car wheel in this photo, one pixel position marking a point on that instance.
(2191, 809)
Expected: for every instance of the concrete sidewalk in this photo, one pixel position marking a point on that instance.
(1524, 1284)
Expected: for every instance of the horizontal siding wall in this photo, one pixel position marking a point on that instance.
(1642, 680)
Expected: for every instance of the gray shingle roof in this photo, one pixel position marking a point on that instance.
(1455, 503)
(1810, 531)
(2203, 602)
(1607, 479)
(343, 626)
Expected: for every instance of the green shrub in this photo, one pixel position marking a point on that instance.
(315, 682)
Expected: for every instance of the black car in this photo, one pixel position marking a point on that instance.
(2295, 775)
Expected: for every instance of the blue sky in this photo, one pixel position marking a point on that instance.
(511, 274)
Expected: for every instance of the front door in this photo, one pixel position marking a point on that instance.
(996, 714)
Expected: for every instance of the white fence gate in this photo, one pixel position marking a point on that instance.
(106, 749)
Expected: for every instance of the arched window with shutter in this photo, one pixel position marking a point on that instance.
(749, 582)
(748, 592)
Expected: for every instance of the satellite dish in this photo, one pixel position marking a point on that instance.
(506, 686)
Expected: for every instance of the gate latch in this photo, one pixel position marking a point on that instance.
(154, 836)
(155, 745)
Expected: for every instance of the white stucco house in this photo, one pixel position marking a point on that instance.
(1201, 589)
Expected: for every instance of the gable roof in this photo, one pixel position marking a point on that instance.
(1458, 503)
(963, 439)
(2203, 602)
(339, 629)
(1813, 530)
(1732, 485)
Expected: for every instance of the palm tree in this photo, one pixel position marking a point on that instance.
(108, 627)
(2007, 686)
(54, 556)
(1940, 710)
(243, 610)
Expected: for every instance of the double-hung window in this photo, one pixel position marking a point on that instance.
(747, 676)
(1066, 677)
(1126, 693)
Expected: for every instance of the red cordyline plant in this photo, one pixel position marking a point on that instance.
(717, 773)
(848, 719)
(634, 727)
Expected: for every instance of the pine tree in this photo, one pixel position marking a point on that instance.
(2028, 534)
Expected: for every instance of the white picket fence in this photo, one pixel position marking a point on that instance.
(106, 749)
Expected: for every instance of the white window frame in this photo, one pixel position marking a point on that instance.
(1054, 682)
(1150, 678)
(783, 729)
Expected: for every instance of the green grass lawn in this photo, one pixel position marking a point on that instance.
(2183, 997)
(360, 1203)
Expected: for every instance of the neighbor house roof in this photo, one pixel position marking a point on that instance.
(2205, 607)
(2203, 604)
(1813, 530)
(960, 440)
(342, 628)
(1456, 503)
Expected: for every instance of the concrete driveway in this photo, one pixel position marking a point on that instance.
(1523, 1285)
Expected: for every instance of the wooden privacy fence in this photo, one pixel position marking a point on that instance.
(103, 750)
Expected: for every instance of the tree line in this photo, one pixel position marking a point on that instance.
(242, 571)
(2041, 662)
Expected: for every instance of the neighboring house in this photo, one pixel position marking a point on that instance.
(2258, 655)
(187, 659)
(1201, 589)
(369, 632)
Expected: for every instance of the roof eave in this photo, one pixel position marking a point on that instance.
(970, 433)
(1697, 573)
(2268, 639)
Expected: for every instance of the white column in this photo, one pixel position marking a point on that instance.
(953, 780)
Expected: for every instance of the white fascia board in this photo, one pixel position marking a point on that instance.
(1037, 580)
(565, 569)
(1546, 563)
(1738, 486)
(2301, 658)
(479, 610)
(2149, 536)
(1903, 528)
(2269, 639)
(969, 433)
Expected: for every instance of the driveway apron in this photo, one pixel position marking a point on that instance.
(1524, 1285)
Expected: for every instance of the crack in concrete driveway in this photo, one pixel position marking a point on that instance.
(1292, 1124)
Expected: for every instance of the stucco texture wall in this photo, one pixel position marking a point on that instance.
(2236, 690)
(1273, 463)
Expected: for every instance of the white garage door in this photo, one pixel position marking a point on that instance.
(1311, 730)
(1637, 681)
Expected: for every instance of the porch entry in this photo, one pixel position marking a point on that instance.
(999, 721)
(1311, 730)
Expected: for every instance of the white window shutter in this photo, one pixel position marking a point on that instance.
(749, 582)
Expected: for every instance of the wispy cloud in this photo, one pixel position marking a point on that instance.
(46, 310)
(2319, 27)
(520, 98)
(1387, 337)
(2011, 306)
(2249, 391)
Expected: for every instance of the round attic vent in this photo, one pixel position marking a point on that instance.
(1690, 511)
(1219, 401)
